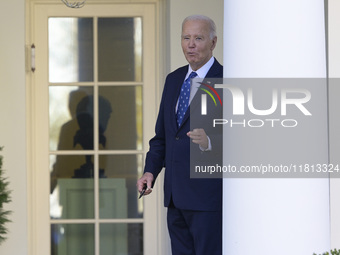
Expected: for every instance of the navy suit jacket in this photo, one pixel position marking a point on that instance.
(170, 148)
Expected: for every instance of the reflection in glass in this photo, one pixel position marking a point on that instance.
(120, 49)
(124, 129)
(119, 198)
(118, 126)
(72, 191)
(71, 118)
(119, 239)
(73, 239)
(70, 49)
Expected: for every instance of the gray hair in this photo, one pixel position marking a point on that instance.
(211, 23)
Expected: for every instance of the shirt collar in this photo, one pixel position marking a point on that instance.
(202, 72)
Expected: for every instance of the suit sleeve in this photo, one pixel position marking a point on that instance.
(155, 158)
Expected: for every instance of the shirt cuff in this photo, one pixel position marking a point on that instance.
(209, 146)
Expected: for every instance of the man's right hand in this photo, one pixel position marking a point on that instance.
(147, 179)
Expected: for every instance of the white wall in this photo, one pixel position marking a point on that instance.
(12, 112)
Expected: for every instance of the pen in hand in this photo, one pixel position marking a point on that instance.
(143, 191)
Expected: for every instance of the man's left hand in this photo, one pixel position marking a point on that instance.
(199, 137)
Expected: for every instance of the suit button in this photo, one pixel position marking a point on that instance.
(177, 138)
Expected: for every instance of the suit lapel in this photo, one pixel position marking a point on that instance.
(177, 83)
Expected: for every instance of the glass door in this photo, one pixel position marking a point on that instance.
(99, 80)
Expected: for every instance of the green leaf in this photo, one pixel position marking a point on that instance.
(4, 198)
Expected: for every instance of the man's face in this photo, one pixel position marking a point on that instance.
(196, 43)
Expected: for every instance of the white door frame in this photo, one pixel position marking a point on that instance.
(155, 233)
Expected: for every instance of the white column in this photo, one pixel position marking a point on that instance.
(277, 39)
(334, 123)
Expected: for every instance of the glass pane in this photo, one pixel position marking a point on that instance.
(71, 118)
(119, 239)
(70, 43)
(121, 117)
(120, 49)
(118, 194)
(73, 239)
(72, 193)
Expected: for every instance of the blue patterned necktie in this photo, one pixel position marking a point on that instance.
(183, 100)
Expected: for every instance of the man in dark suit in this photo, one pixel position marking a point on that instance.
(194, 204)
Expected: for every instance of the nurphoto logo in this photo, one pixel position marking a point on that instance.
(204, 97)
(243, 105)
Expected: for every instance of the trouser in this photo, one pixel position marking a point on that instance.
(195, 232)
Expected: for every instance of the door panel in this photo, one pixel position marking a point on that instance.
(93, 116)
